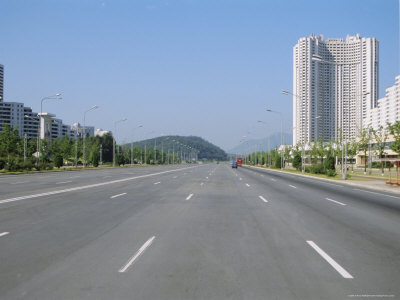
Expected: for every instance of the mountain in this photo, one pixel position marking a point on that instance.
(206, 150)
(261, 144)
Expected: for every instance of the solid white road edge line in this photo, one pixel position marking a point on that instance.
(263, 199)
(137, 254)
(188, 197)
(115, 196)
(330, 260)
(292, 186)
(4, 233)
(335, 201)
(377, 193)
(87, 186)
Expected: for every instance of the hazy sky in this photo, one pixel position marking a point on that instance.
(205, 68)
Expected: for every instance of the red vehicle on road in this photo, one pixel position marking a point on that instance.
(239, 161)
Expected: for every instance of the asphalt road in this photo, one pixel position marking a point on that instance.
(195, 232)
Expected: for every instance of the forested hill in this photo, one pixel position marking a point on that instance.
(175, 143)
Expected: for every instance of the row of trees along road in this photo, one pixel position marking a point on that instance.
(17, 154)
(321, 155)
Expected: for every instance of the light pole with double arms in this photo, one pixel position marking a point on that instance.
(84, 133)
(53, 97)
(282, 152)
(303, 152)
(269, 145)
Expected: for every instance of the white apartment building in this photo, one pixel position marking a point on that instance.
(80, 130)
(101, 132)
(333, 94)
(12, 113)
(27, 122)
(387, 109)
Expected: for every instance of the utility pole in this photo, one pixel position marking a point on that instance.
(76, 149)
(155, 151)
(25, 146)
(369, 152)
(101, 154)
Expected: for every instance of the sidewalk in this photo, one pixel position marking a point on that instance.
(367, 183)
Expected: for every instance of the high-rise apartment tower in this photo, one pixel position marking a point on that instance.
(335, 83)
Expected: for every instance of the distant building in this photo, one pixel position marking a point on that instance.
(334, 94)
(387, 109)
(80, 130)
(12, 113)
(28, 122)
(101, 132)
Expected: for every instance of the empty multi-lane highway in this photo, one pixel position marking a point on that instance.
(195, 232)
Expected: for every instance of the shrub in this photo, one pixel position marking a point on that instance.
(2, 163)
(277, 163)
(317, 169)
(28, 165)
(331, 173)
(329, 163)
(297, 161)
(58, 160)
(13, 165)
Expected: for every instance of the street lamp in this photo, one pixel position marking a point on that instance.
(303, 154)
(277, 112)
(269, 145)
(114, 136)
(84, 133)
(54, 97)
(133, 130)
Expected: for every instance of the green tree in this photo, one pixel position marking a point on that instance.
(297, 163)
(58, 160)
(9, 142)
(277, 160)
(314, 152)
(352, 149)
(286, 155)
(395, 131)
(94, 155)
(66, 148)
(380, 136)
(363, 144)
